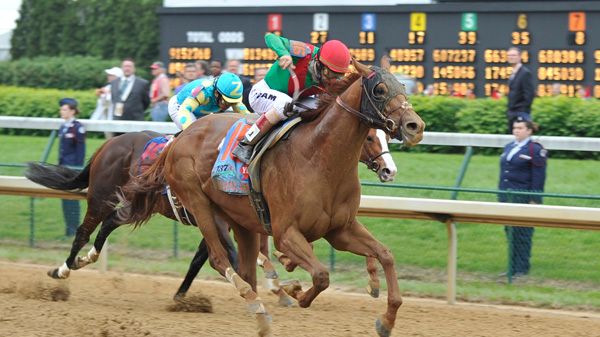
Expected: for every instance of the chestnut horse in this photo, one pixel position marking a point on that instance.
(310, 183)
(111, 167)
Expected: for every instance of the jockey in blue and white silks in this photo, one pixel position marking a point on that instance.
(202, 97)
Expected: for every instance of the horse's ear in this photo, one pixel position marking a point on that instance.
(360, 68)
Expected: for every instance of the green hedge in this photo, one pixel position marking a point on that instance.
(75, 72)
(29, 102)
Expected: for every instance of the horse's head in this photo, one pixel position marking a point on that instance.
(376, 155)
(384, 105)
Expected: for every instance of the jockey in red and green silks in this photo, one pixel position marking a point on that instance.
(202, 97)
(315, 68)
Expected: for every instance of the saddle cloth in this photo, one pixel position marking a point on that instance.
(152, 150)
(229, 174)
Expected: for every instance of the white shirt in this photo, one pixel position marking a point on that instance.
(516, 148)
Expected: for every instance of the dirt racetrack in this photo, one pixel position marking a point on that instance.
(116, 304)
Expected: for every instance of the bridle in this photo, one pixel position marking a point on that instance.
(371, 106)
(371, 162)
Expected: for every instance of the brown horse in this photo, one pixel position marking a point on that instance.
(111, 167)
(310, 183)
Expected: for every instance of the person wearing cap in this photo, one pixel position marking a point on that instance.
(71, 152)
(104, 106)
(522, 168)
(316, 68)
(160, 92)
(202, 97)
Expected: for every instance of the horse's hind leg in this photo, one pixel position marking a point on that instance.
(293, 244)
(356, 238)
(82, 236)
(195, 200)
(197, 262)
(108, 226)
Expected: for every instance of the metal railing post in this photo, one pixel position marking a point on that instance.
(452, 235)
(175, 240)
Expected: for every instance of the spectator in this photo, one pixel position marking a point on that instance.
(129, 94)
(520, 86)
(71, 152)
(202, 70)
(259, 74)
(215, 68)
(233, 66)
(104, 106)
(522, 168)
(160, 92)
(190, 73)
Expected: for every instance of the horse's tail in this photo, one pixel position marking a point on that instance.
(60, 177)
(142, 193)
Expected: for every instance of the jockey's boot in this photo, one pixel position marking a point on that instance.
(244, 149)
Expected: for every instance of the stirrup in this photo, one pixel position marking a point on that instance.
(243, 152)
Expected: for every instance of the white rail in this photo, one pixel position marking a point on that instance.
(431, 138)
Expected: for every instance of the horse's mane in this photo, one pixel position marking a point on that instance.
(326, 99)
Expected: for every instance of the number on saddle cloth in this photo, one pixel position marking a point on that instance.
(229, 174)
(152, 150)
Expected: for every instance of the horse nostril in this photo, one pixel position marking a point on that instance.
(412, 126)
(386, 171)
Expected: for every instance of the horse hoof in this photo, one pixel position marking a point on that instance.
(54, 273)
(292, 287)
(264, 324)
(374, 292)
(381, 329)
(286, 301)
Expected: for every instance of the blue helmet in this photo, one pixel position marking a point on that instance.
(230, 86)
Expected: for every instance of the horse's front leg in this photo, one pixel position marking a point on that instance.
(272, 279)
(356, 238)
(294, 245)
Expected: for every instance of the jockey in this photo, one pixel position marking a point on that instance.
(315, 68)
(203, 96)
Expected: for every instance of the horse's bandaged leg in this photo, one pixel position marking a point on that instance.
(242, 286)
(92, 256)
(64, 271)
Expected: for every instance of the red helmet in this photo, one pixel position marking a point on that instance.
(335, 55)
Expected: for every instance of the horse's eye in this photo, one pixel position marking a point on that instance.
(379, 90)
(369, 138)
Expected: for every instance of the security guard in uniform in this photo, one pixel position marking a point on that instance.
(71, 153)
(522, 168)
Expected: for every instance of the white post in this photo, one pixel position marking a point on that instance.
(452, 256)
(103, 259)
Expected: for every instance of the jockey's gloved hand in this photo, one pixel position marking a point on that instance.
(288, 109)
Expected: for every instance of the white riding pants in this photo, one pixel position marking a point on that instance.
(263, 99)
